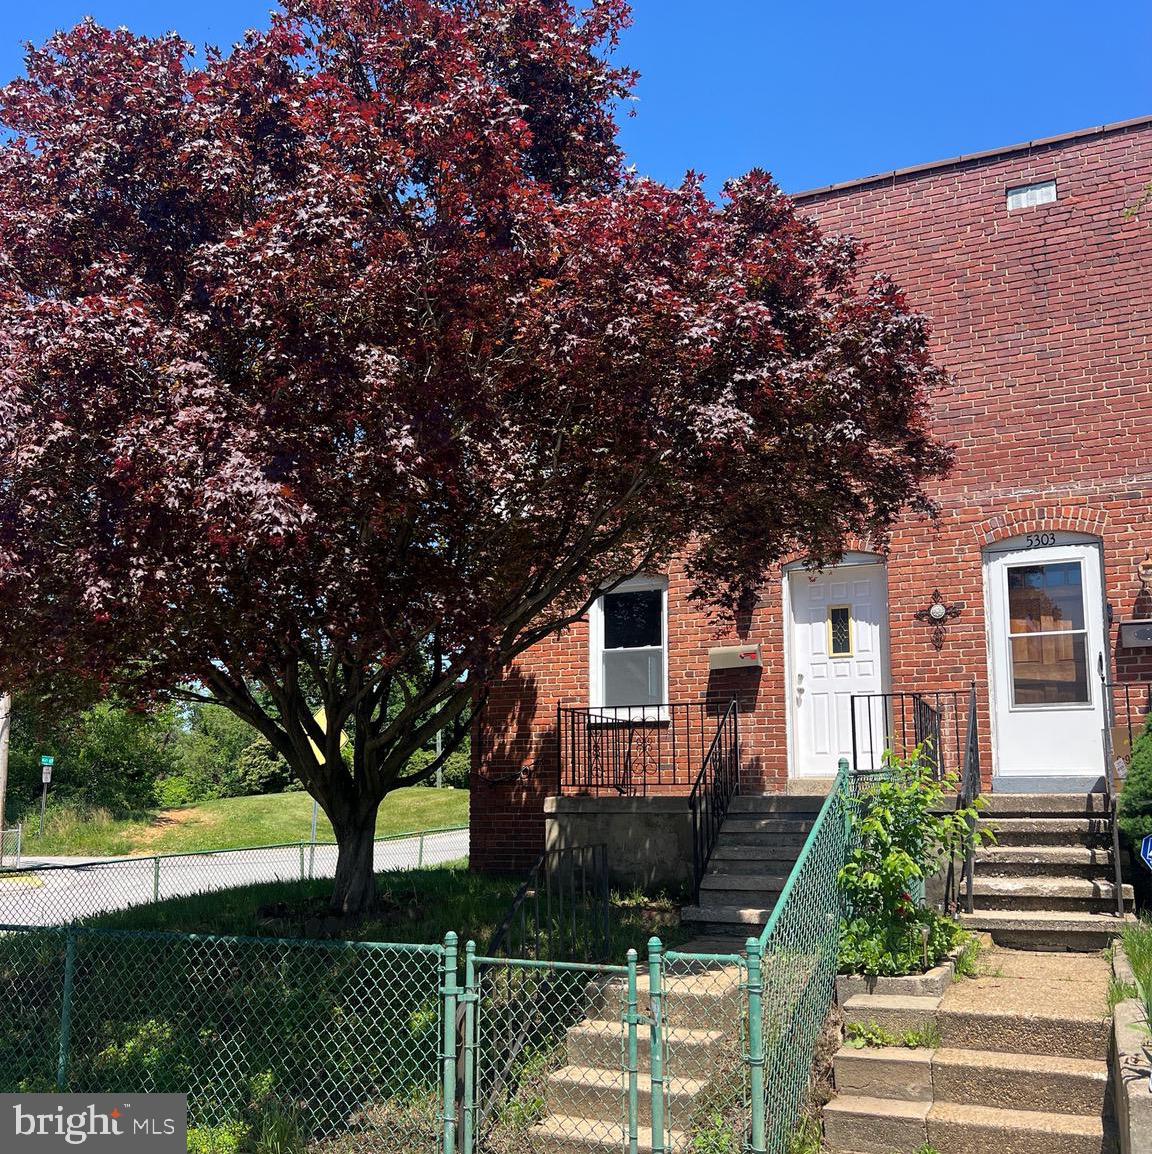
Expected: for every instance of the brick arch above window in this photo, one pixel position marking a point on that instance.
(1021, 519)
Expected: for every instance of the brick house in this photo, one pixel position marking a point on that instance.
(1038, 285)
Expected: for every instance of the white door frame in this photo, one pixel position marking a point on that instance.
(885, 653)
(1045, 548)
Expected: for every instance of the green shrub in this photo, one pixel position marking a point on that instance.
(455, 769)
(1136, 796)
(903, 834)
(262, 770)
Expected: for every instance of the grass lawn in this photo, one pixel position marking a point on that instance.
(267, 819)
(415, 906)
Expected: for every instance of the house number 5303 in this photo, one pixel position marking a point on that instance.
(1039, 540)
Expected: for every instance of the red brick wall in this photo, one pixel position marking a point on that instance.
(1044, 316)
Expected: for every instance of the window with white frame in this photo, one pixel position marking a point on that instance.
(629, 657)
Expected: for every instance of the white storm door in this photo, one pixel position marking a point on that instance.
(839, 648)
(1046, 631)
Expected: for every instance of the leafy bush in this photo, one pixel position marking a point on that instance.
(107, 758)
(904, 833)
(262, 770)
(456, 768)
(1136, 796)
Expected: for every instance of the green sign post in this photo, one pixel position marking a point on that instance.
(46, 764)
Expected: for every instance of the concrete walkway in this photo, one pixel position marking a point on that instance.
(1018, 1065)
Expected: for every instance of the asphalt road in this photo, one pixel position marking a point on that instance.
(56, 891)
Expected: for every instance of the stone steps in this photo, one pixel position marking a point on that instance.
(1045, 929)
(597, 1094)
(861, 1125)
(896, 1013)
(797, 805)
(1056, 831)
(1037, 860)
(1047, 892)
(1018, 1081)
(755, 851)
(564, 1134)
(1007, 805)
(600, 1043)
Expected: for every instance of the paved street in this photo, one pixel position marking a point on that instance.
(60, 890)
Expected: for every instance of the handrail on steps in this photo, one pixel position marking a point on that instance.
(716, 784)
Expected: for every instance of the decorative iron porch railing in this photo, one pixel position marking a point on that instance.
(899, 722)
(634, 750)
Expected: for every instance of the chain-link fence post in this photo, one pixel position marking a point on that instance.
(66, 1011)
(420, 854)
(756, 1047)
(633, 1020)
(470, 997)
(449, 992)
(656, 1058)
(156, 879)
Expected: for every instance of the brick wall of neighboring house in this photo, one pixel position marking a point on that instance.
(1044, 316)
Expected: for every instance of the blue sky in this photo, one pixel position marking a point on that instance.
(816, 93)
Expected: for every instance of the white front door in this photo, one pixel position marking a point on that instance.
(1046, 635)
(839, 648)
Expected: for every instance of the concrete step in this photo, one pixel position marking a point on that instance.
(760, 849)
(884, 1072)
(1034, 831)
(1044, 804)
(1058, 1033)
(708, 996)
(969, 1129)
(563, 1134)
(597, 1043)
(896, 1013)
(1020, 1081)
(744, 890)
(739, 824)
(1048, 893)
(1033, 860)
(793, 805)
(597, 1094)
(773, 869)
(861, 1125)
(1046, 930)
(722, 919)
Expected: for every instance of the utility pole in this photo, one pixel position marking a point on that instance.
(5, 732)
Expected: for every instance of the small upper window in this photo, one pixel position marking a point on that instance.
(1030, 195)
(840, 631)
(629, 653)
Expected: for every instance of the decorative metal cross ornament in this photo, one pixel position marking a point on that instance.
(938, 614)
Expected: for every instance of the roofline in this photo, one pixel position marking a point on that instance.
(971, 157)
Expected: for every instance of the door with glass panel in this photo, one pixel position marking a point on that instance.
(1046, 631)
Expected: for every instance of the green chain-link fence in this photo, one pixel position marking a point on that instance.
(335, 1045)
(340, 1046)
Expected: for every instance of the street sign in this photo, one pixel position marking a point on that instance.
(1146, 851)
(46, 760)
(46, 774)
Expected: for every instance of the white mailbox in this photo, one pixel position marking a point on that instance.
(735, 657)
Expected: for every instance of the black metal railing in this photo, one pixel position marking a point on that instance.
(885, 723)
(969, 792)
(715, 786)
(634, 750)
(1128, 706)
(562, 911)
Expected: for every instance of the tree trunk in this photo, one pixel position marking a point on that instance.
(354, 891)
